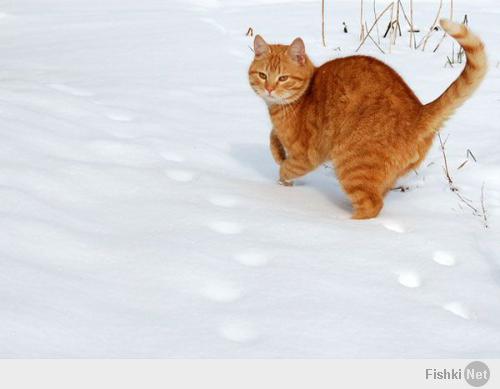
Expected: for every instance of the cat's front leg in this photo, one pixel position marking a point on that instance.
(293, 168)
(277, 148)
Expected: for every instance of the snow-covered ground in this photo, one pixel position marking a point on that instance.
(140, 214)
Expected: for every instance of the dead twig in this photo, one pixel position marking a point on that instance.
(439, 43)
(467, 202)
(375, 16)
(362, 21)
(396, 25)
(446, 170)
(483, 207)
(401, 188)
(412, 28)
(323, 22)
(431, 29)
(408, 20)
(373, 40)
(390, 28)
(469, 154)
(373, 25)
(393, 28)
(444, 32)
(448, 62)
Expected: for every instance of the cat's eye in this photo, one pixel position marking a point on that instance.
(283, 78)
(263, 76)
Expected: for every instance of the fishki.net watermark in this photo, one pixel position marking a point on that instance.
(476, 374)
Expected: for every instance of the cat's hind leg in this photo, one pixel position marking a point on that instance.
(367, 201)
(423, 147)
(365, 180)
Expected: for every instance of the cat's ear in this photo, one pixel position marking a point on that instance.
(260, 47)
(297, 50)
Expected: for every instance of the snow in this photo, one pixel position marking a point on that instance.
(140, 214)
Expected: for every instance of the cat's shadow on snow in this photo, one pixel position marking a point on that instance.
(258, 157)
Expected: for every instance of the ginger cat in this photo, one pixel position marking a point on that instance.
(355, 111)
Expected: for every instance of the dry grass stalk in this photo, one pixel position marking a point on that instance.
(412, 29)
(448, 62)
(444, 32)
(375, 16)
(395, 25)
(374, 24)
(323, 22)
(409, 21)
(401, 188)
(455, 190)
(424, 40)
(362, 34)
(390, 28)
(439, 44)
(373, 40)
(445, 159)
(461, 52)
(469, 154)
(483, 207)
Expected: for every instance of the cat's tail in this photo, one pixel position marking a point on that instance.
(439, 110)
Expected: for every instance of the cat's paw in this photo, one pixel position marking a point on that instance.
(285, 183)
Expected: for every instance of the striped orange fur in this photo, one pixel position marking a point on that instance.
(355, 111)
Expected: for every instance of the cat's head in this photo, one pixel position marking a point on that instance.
(280, 74)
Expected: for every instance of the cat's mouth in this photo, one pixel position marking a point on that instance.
(273, 99)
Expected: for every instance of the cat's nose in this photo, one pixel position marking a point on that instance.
(269, 88)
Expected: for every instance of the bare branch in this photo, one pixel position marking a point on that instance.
(431, 30)
(323, 22)
(373, 40)
(361, 20)
(373, 25)
(483, 207)
(444, 32)
(451, 184)
(375, 15)
(469, 154)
